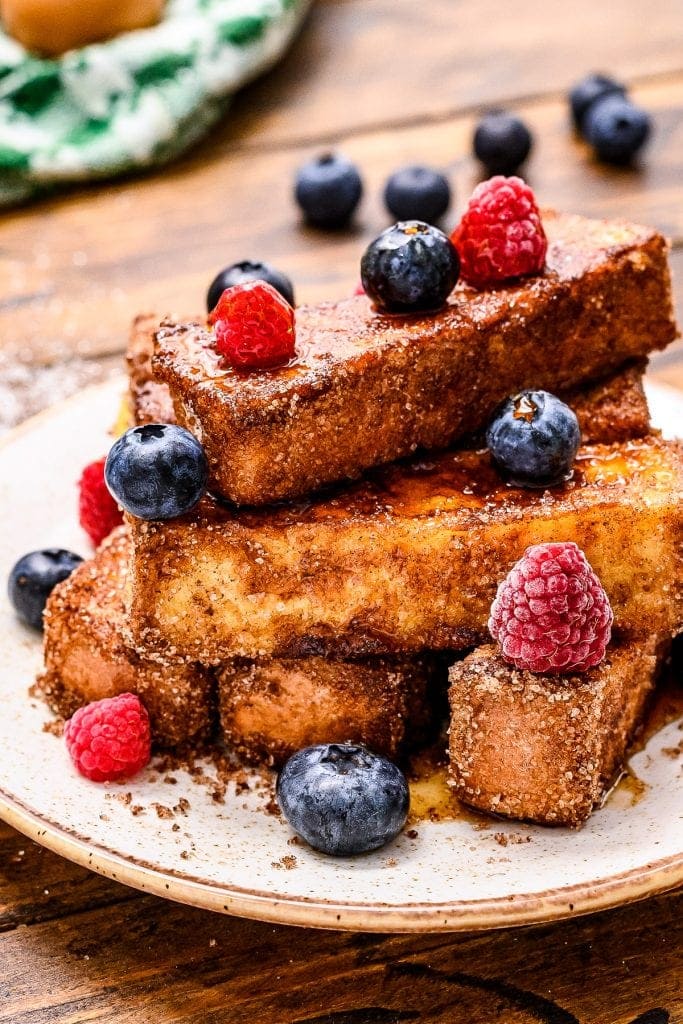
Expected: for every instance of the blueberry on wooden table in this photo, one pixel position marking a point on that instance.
(617, 129)
(417, 193)
(502, 142)
(587, 92)
(328, 190)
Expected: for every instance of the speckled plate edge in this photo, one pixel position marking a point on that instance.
(465, 915)
(462, 916)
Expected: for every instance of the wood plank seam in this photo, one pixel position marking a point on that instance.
(9, 923)
(530, 99)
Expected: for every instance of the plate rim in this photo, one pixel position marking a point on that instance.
(516, 910)
(584, 898)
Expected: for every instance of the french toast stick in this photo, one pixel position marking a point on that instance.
(87, 659)
(541, 747)
(267, 709)
(611, 409)
(270, 709)
(407, 560)
(366, 388)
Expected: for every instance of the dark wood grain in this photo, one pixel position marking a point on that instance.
(36, 886)
(376, 63)
(390, 82)
(142, 959)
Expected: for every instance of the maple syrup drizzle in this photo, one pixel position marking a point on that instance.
(432, 799)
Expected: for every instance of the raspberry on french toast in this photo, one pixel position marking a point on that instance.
(270, 709)
(541, 747)
(407, 560)
(367, 388)
(611, 409)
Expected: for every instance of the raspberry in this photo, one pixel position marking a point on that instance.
(109, 739)
(500, 235)
(254, 326)
(98, 513)
(551, 613)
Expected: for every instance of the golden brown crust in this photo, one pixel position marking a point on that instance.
(405, 561)
(543, 748)
(613, 409)
(86, 657)
(270, 709)
(150, 401)
(368, 388)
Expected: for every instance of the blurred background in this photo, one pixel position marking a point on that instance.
(389, 82)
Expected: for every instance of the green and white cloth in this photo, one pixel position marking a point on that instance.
(137, 100)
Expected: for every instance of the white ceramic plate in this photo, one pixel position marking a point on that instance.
(234, 856)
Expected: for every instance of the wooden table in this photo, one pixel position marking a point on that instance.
(391, 82)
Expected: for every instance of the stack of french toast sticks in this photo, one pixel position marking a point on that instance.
(356, 531)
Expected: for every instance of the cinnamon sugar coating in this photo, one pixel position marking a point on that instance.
(87, 657)
(544, 748)
(367, 388)
(613, 408)
(407, 560)
(271, 709)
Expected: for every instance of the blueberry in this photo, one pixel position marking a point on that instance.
(249, 270)
(33, 579)
(328, 190)
(617, 129)
(533, 439)
(417, 193)
(411, 267)
(587, 92)
(502, 142)
(158, 471)
(343, 799)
